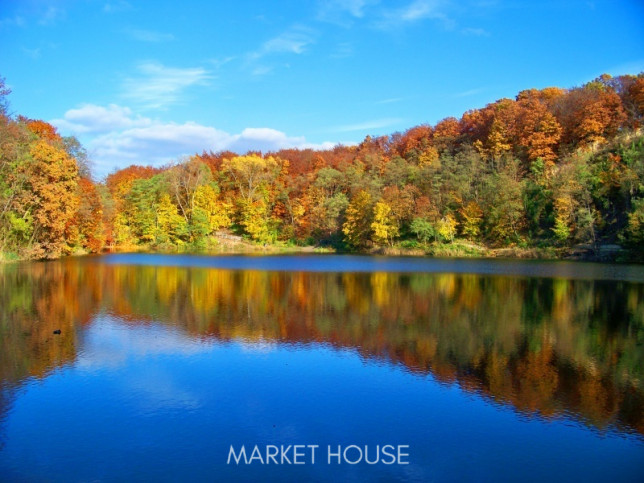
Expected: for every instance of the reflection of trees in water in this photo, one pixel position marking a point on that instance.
(542, 345)
(36, 300)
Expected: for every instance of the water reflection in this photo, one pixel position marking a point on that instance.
(545, 346)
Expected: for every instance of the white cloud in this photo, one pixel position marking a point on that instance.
(149, 35)
(418, 10)
(116, 138)
(33, 53)
(415, 11)
(354, 7)
(342, 51)
(261, 70)
(51, 15)
(341, 12)
(219, 63)
(373, 124)
(267, 139)
(293, 41)
(117, 6)
(390, 100)
(91, 118)
(16, 20)
(158, 86)
(478, 32)
(155, 144)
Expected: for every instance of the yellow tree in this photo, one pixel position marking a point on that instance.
(171, 226)
(122, 232)
(384, 225)
(447, 227)
(52, 198)
(494, 128)
(253, 177)
(357, 226)
(215, 211)
(565, 205)
(251, 173)
(472, 216)
(255, 220)
(428, 156)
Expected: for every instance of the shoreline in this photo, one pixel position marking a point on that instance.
(607, 253)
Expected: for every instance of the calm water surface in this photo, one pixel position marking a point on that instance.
(487, 370)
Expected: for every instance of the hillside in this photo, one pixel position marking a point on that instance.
(553, 172)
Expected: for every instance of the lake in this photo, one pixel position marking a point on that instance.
(462, 370)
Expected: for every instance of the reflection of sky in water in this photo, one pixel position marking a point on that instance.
(108, 342)
(139, 394)
(180, 363)
(109, 345)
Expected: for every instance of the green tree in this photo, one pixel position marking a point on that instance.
(504, 209)
(213, 213)
(140, 210)
(423, 229)
(171, 227)
(634, 232)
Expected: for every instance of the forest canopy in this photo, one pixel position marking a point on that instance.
(550, 168)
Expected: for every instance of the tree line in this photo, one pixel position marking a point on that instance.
(550, 168)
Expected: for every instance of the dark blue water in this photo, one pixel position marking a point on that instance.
(163, 363)
(366, 263)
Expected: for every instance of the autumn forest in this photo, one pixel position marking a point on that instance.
(550, 170)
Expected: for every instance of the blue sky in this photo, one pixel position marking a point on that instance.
(147, 82)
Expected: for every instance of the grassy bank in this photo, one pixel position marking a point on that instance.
(459, 249)
(6, 257)
(456, 249)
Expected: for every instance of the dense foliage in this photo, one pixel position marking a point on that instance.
(550, 168)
